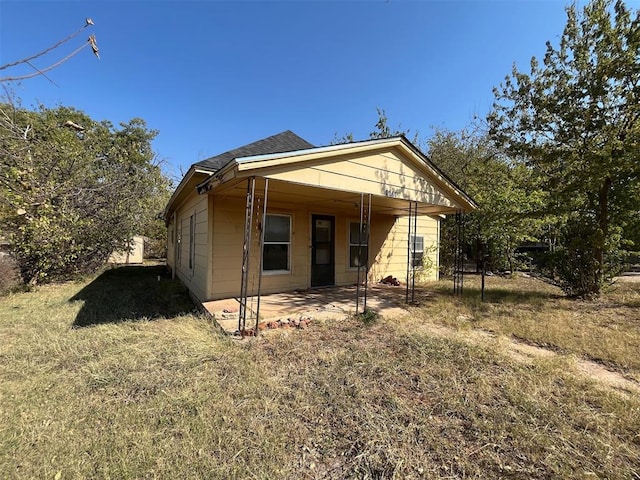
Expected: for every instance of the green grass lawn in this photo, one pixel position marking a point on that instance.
(117, 378)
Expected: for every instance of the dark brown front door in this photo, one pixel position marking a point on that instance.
(322, 250)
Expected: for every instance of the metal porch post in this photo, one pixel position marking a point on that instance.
(458, 268)
(413, 267)
(406, 295)
(359, 252)
(366, 269)
(246, 254)
(411, 247)
(264, 222)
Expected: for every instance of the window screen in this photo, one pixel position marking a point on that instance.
(277, 243)
(358, 250)
(417, 250)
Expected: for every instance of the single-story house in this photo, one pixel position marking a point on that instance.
(280, 214)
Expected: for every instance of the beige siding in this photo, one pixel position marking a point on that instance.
(384, 174)
(391, 258)
(195, 275)
(228, 238)
(388, 246)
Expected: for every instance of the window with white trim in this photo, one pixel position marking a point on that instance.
(277, 243)
(417, 251)
(358, 250)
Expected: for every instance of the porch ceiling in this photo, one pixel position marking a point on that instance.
(325, 198)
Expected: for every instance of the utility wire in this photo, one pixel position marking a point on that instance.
(41, 72)
(75, 34)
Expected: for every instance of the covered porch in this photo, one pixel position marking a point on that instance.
(334, 238)
(342, 216)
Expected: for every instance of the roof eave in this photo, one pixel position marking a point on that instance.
(453, 185)
(353, 146)
(225, 174)
(178, 191)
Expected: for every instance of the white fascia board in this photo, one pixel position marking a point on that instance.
(190, 173)
(442, 179)
(318, 150)
(236, 162)
(218, 177)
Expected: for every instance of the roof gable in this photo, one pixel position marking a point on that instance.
(286, 141)
(391, 167)
(389, 172)
(431, 180)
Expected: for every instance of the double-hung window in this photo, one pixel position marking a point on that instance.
(417, 251)
(358, 250)
(277, 244)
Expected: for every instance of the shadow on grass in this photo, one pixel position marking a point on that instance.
(131, 293)
(511, 292)
(505, 295)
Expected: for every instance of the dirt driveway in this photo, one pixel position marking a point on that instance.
(629, 277)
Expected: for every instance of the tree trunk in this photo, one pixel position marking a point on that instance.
(603, 224)
(479, 254)
(510, 255)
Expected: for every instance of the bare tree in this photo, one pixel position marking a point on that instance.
(91, 41)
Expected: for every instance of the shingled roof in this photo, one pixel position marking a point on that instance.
(286, 141)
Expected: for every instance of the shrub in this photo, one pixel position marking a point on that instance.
(574, 267)
(155, 248)
(368, 317)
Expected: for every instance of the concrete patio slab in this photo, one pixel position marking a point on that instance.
(315, 303)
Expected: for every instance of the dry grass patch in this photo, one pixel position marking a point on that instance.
(606, 330)
(171, 398)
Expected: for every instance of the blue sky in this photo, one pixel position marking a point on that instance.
(212, 76)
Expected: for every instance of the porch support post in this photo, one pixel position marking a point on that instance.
(246, 254)
(458, 268)
(406, 295)
(262, 228)
(359, 252)
(462, 241)
(413, 267)
(366, 269)
(412, 231)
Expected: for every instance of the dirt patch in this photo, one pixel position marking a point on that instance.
(630, 277)
(524, 352)
(612, 379)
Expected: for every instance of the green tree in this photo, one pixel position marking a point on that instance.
(507, 194)
(381, 130)
(575, 119)
(72, 190)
